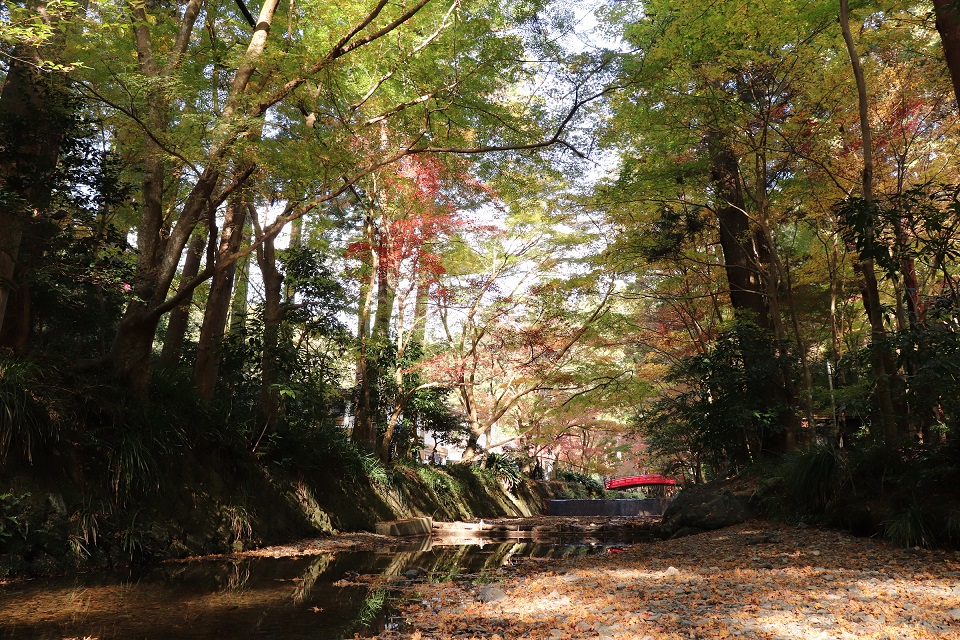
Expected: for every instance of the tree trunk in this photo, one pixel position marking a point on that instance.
(157, 261)
(296, 242)
(272, 321)
(268, 409)
(737, 238)
(364, 428)
(11, 221)
(380, 337)
(752, 289)
(241, 285)
(948, 24)
(159, 245)
(420, 307)
(132, 347)
(180, 317)
(33, 118)
(883, 367)
(207, 367)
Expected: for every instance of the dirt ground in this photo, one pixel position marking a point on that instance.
(756, 580)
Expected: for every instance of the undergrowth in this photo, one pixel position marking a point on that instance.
(907, 495)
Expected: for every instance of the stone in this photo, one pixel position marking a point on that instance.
(704, 508)
(408, 527)
(491, 594)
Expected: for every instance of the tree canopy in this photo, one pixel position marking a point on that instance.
(724, 233)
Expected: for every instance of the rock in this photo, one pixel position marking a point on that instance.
(683, 532)
(704, 508)
(422, 526)
(491, 594)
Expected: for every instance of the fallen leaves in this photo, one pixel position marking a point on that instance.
(755, 581)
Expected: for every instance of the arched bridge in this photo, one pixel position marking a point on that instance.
(647, 480)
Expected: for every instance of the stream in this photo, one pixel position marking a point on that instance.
(312, 596)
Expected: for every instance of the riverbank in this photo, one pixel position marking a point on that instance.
(755, 580)
(62, 523)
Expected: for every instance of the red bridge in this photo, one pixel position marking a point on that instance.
(648, 480)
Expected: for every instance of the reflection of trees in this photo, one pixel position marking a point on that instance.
(309, 577)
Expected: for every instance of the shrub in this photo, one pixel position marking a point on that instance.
(506, 469)
(25, 423)
(815, 477)
(915, 526)
(590, 487)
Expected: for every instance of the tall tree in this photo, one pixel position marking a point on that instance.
(882, 361)
(948, 24)
(35, 111)
(319, 104)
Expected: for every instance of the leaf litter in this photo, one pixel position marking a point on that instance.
(755, 580)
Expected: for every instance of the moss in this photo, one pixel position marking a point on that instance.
(214, 502)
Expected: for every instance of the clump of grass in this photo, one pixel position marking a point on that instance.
(241, 525)
(506, 469)
(132, 538)
(912, 527)
(25, 423)
(815, 477)
(953, 527)
(375, 471)
(372, 606)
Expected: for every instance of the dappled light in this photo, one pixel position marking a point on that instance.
(276, 273)
(789, 583)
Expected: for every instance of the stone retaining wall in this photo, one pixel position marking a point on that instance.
(623, 507)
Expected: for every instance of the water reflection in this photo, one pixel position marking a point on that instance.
(318, 597)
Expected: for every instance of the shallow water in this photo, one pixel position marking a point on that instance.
(286, 598)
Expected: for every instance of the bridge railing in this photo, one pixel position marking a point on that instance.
(646, 480)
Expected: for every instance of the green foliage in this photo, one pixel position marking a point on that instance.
(723, 415)
(505, 468)
(13, 517)
(917, 224)
(815, 477)
(580, 485)
(75, 259)
(132, 538)
(321, 293)
(317, 452)
(240, 522)
(86, 523)
(914, 526)
(135, 441)
(375, 471)
(372, 606)
(931, 355)
(25, 422)
(443, 485)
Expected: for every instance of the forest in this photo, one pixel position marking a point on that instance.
(697, 239)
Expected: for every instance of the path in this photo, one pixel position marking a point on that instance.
(758, 580)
